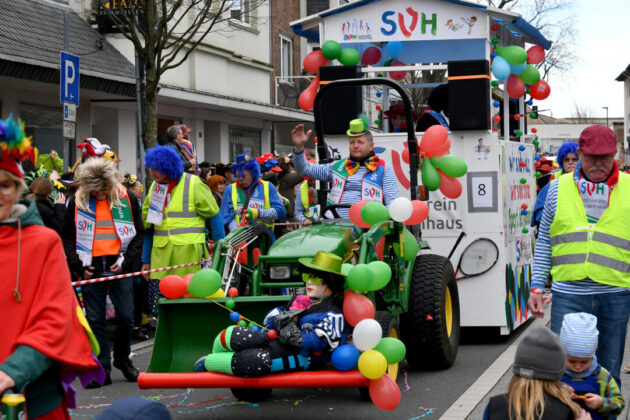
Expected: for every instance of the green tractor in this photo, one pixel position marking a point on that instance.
(419, 305)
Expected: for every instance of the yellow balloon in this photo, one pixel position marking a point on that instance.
(372, 364)
(218, 294)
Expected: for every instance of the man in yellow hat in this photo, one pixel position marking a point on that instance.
(361, 176)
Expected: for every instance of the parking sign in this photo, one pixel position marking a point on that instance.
(69, 80)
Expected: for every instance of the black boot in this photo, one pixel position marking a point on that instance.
(128, 369)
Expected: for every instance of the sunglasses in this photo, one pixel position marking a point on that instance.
(314, 279)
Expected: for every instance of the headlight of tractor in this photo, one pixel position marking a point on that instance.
(280, 272)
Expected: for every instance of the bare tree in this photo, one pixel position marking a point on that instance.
(583, 114)
(165, 32)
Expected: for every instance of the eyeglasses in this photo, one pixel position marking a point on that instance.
(314, 279)
(140, 188)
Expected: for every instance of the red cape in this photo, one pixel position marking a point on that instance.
(46, 319)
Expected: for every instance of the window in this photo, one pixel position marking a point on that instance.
(286, 57)
(240, 10)
(244, 140)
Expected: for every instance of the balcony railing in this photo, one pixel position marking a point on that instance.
(288, 89)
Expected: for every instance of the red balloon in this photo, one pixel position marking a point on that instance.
(435, 141)
(420, 212)
(357, 307)
(187, 278)
(449, 186)
(379, 248)
(540, 90)
(314, 60)
(307, 98)
(515, 86)
(233, 292)
(355, 214)
(397, 75)
(384, 392)
(497, 118)
(534, 130)
(405, 154)
(272, 334)
(535, 54)
(371, 56)
(173, 287)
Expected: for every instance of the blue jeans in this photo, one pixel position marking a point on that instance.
(121, 294)
(612, 311)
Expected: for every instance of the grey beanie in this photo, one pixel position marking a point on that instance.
(539, 355)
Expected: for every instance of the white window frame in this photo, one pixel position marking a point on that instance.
(240, 11)
(285, 73)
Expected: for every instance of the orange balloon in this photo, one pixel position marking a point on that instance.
(449, 186)
(435, 141)
(355, 214)
(420, 212)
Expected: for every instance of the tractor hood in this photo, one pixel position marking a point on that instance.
(305, 242)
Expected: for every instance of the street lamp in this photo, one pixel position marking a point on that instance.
(606, 108)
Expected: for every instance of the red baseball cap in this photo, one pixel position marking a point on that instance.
(598, 140)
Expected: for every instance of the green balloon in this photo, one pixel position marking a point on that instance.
(360, 278)
(204, 283)
(392, 348)
(530, 76)
(410, 246)
(331, 49)
(450, 165)
(230, 303)
(345, 268)
(494, 83)
(374, 213)
(382, 274)
(349, 57)
(512, 54)
(242, 323)
(430, 177)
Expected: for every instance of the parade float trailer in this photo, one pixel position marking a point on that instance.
(485, 231)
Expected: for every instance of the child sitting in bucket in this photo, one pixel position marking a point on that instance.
(309, 328)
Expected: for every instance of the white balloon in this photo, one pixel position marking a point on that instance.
(401, 209)
(367, 334)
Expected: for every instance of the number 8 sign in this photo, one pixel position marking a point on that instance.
(482, 192)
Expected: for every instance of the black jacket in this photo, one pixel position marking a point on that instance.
(498, 409)
(69, 238)
(173, 145)
(52, 216)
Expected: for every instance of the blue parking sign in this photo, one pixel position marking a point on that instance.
(69, 80)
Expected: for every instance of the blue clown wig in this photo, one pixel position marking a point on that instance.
(564, 150)
(165, 160)
(251, 165)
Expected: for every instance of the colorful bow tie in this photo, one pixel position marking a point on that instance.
(371, 163)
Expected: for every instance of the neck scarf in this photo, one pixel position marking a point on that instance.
(581, 375)
(370, 162)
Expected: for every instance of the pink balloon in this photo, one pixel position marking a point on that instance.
(540, 90)
(420, 212)
(515, 86)
(434, 141)
(307, 98)
(384, 392)
(397, 75)
(371, 56)
(314, 60)
(535, 54)
(449, 186)
(355, 214)
(357, 307)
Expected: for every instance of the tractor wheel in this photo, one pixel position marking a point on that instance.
(251, 394)
(430, 329)
(390, 329)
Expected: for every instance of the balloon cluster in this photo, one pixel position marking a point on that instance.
(204, 283)
(370, 352)
(438, 170)
(517, 66)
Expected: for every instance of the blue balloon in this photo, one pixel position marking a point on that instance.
(530, 102)
(524, 212)
(255, 328)
(493, 54)
(345, 357)
(518, 69)
(378, 94)
(235, 316)
(537, 158)
(496, 104)
(394, 48)
(521, 148)
(500, 68)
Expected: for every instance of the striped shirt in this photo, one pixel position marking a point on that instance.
(352, 189)
(542, 256)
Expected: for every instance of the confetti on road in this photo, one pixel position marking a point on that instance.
(212, 407)
(426, 412)
(407, 388)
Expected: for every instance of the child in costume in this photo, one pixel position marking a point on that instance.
(311, 326)
(594, 387)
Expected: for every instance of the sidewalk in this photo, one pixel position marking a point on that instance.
(502, 385)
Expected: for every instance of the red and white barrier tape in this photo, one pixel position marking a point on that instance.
(137, 273)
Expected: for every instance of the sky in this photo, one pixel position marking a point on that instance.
(603, 47)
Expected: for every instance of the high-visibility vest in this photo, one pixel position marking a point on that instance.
(106, 242)
(181, 224)
(304, 195)
(371, 183)
(255, 201)
(599, 251)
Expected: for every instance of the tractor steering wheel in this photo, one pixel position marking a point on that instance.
(333, 209)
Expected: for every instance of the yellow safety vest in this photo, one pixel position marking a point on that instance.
(253, 201)
(304, 195)
(181, 224)
(599, 251)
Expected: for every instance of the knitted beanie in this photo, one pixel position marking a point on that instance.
(579, 334)
(539, 355)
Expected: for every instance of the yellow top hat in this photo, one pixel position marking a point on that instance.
(357, 128)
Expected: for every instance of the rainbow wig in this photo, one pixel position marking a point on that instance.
(564, 150)
(251, 165)
(13, 140)
(165, 160)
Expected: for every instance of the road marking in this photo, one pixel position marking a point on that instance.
(467, 402)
